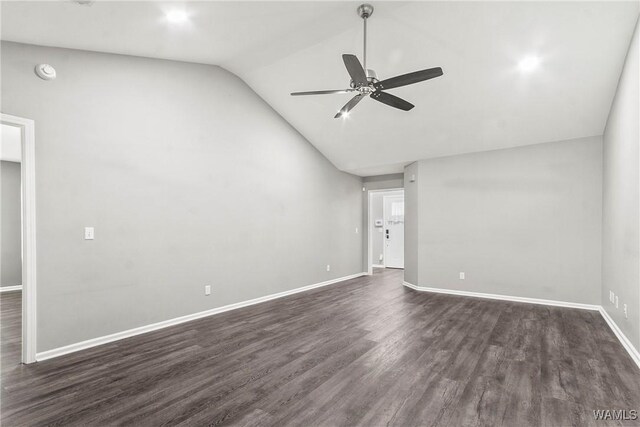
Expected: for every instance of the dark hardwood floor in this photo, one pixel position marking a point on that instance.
(364, 352)
(10, 332)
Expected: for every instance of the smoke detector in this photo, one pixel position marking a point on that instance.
(45, 71)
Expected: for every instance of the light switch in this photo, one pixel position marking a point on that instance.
(89, 233)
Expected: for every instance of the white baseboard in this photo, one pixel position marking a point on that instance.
(635, 355)
(377, 265)
(10, 288)
(505, 297)
(49, 354)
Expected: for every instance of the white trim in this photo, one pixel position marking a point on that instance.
(10, 288)
(633, 352)
(377, 265)
(505, 297)
(178, 320)
(29, 286)
(635, 355)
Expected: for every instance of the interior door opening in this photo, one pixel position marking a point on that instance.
(18, 239)
(386, 229)
(393, 207)
(11, 243)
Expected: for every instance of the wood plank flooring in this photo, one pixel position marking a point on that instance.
(364, 352)
(10, 331)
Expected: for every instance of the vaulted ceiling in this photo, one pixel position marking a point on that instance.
(484, 101)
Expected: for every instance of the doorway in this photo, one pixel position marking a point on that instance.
(18, 240)
(393, 212)
(386, 230)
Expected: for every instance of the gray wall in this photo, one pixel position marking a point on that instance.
(189, 178)
(411, 222)
(621, 200)
(10, 225)
(377, 182)
(521, 222)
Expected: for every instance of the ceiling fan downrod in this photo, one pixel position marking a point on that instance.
(365, 11)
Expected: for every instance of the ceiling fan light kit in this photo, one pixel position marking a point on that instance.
(365, 82)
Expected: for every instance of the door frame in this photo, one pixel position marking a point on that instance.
(384, 218)
(29, 288)
(370, 225)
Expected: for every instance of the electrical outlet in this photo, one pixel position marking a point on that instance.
(380, 257)
(610, 296)
(207, 290)
(328, 267)
(462, 275)
(617, 301)
(626, 313)
(356, 230)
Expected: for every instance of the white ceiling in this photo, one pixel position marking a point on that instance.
(482, 102)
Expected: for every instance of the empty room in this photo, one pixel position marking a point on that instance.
(320, 213)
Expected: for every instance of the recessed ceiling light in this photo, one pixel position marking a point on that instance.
(529, 63)
(177, 16)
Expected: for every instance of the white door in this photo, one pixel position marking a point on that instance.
(394, 231)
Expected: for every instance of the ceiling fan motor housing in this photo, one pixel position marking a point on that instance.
(372, 77)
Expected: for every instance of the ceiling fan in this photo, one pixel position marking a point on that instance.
(365, 81)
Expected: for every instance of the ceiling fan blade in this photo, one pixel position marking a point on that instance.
(349, 106)
(354, 67)
(392, 100)
(322, 92)
(408, 79)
